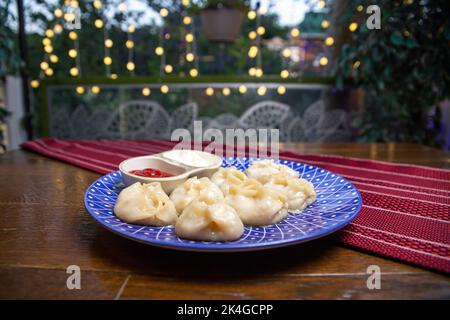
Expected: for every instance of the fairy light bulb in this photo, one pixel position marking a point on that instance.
(189, 37)
(130, 66)
(286, 53)
(74, 71)
(168, 68)
(49, 33)
(146, 92)
(259, 73)
(226, 91)
(73, 53)
(74, 4)
(34, 84)
(252, 72)
(252, 35)
(48, 72)
(164, 12)
(98, 23)
(209, 91)
(193, 72)
(251, 15)
(187, 20)
(53, 58)
(159, 51)
(261, 90)
(253, 51)
(260, 30)
(325, 24)
(58, 13)
(69, 16)
(185, 2)
(321, 4)
(190, 57)
(107, 60)
(164, 89)
(353, 26)
(323, 61)
(281, 90)
(356, 64)
(131, 28)
(360, 8)
(129, 44)
(295, 32)
(79, 89)
(43, 65)
(95, 89)
(284, 74)
(113, 76)
(48, 49)
(329, 41)
(46, 41)
(73, 35)
(109, 43)
(58, 28)
(97, 4)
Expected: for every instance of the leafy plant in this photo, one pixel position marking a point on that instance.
(9, 58)
(243, 5)
(403, 68)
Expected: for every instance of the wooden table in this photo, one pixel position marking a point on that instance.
(44, 228)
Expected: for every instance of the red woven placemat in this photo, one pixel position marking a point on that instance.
(406, 208)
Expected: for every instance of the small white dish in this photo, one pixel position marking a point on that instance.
(171, 163)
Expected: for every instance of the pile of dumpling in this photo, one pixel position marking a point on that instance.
(216, 209)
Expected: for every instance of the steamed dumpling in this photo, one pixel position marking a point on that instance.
(191, 189)
(257, 205)
(226, 177)
(262, 170)
(207, 219)
(145, 204)
(299, 192)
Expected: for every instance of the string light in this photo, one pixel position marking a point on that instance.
(164, 12)
(286, 53)
(49, 33)
(242, 89)
(95, 89)
(261, 90)
(261, 30)
(69, 16)
(259, 72)
(253, 51)
(107, 60)
(58, 28)
(329, 41)
(46, 41)
(48, 49)
(73, 35)
(284, 74)
(168, 68)
(73, 53)
(325, 24)
(131, 28)
(113, 76)
(187, 20)
(226, 91)
(53, 58)
(79, 89)
(185, 2)
(281, 90)
(159, 51)
(193, 72)
(44, 65)
(190, 57)
(189, 37)
(109, 43)
(58, 13)
(130, 66)
(209, 91)
(251, 15)
(356, 64)
(323, 61)
(129, 44)
(97, 4)
(252, 35)
(353, 26)
(321, 4)
(360, 8)
(252, 71)
(146, 92)
(98, 23)
(295, 32)
(74, 71)
(165, 89)
(34, 84)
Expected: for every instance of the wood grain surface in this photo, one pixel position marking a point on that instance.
(44, 228)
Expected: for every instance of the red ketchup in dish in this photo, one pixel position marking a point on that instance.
(151, 173)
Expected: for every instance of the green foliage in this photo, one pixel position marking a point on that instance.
(198, 5)
(404, 69)
(9, 57)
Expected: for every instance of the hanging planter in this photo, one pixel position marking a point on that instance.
(222, 20)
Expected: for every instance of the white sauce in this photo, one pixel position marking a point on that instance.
(192, 158)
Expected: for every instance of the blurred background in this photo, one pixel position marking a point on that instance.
(320, 71)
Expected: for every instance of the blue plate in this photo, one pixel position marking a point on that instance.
(338, 202)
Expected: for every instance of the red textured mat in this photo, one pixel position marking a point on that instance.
(406, 208)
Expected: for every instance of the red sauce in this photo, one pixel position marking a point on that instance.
(151, 173)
